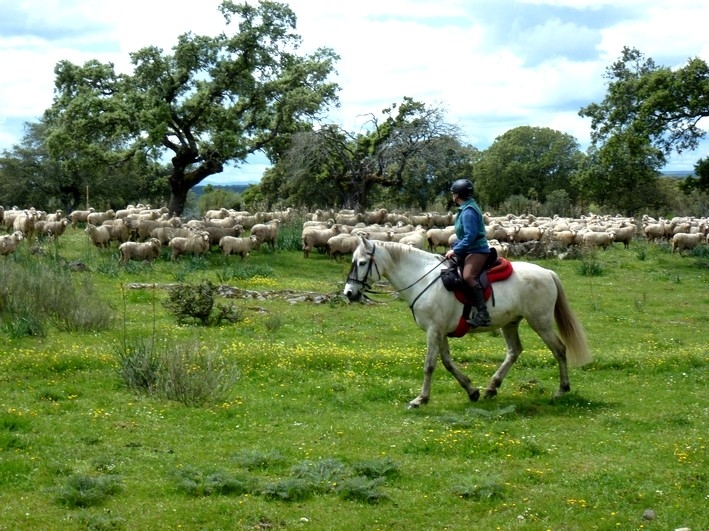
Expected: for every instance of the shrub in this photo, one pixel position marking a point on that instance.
(195, 482)
(196, 301)
(183, 372)
(35, 295)
(193, 376)
(88, 491)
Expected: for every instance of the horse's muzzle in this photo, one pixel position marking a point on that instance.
(352, 295)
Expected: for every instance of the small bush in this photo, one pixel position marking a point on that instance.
(256, 459)
(88, 491)
(196, 301)
(194, 377)
(486, 490)
(323, 475)
(376, 468)
(183, 372)
(362, 489)
(200, 483)
(291, 489)
(591, 268)
(139, 363)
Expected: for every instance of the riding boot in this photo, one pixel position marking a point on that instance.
(481, 318)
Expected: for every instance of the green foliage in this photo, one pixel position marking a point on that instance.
(527, 161)
(484, 490)
(139, 362)
(590, 267)
(197, 483)
(214, 198)
(646, 101)
(183, 372)
(521, 204)
(35, 295)
(82, 490)
(361, 489)
(225, 118)
(195, 376)
(259, 459)
(197, 301)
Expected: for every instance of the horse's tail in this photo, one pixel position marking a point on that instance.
(570, 328)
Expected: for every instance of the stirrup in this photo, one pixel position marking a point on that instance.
(478, 321)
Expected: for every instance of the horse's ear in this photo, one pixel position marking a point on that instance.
(369, 246)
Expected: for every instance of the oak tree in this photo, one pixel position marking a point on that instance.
(214, 100)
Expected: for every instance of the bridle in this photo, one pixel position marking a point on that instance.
(367, 288)
(354, 270)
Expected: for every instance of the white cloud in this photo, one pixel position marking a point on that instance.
(492, 65)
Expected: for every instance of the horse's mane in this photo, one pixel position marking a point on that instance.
(398, 250)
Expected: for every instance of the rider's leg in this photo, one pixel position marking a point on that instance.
(472, 267)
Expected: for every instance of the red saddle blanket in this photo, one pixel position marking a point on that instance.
(501, 271)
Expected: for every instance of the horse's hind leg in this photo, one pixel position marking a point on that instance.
(557, 348)
(514, 348)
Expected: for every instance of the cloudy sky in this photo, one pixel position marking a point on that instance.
(492, 65)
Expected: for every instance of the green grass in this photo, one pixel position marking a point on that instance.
(315, 433)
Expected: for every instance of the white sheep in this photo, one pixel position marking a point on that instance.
(79, 216)
(8, 242)
(149, 250)
(599, 239)
(416, 238)
(216, 214)
(237, 245)
(266, 232)
(684, 241)
(99, 235)
(340, 244)
(565, 237)
(439, 237)
(196, 244)
(97, 218)
(316, 238)
(25, 222)
(54, 228)
(625, 234)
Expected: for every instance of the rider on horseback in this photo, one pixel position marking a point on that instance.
(471, 249)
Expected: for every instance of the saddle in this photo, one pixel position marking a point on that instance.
(494, 270)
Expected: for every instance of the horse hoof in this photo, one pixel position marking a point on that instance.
(474, 396)
(490, 393)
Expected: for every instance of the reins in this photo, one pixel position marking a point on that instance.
(368, 288)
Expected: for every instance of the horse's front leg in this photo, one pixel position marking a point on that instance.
(433, 346)
(463, 380)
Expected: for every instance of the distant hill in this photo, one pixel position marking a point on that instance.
(678, 174)
(236, 188)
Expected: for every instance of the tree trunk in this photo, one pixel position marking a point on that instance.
(182, 181)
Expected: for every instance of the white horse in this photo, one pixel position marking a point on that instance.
(531, 292)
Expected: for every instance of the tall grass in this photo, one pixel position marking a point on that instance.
(36, 294)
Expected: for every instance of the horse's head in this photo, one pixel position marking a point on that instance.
(363, 269)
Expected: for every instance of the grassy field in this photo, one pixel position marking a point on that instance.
(315, 433)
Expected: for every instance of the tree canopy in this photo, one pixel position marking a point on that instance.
(527, 161)
(412, 150)
(213, 101)
(646, 101)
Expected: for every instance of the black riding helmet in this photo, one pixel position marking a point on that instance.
(462, 187)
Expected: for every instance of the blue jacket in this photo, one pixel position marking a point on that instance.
(470, 230)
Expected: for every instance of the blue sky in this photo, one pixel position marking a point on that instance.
(492, 65)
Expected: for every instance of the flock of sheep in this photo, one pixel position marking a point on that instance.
(141, 232)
